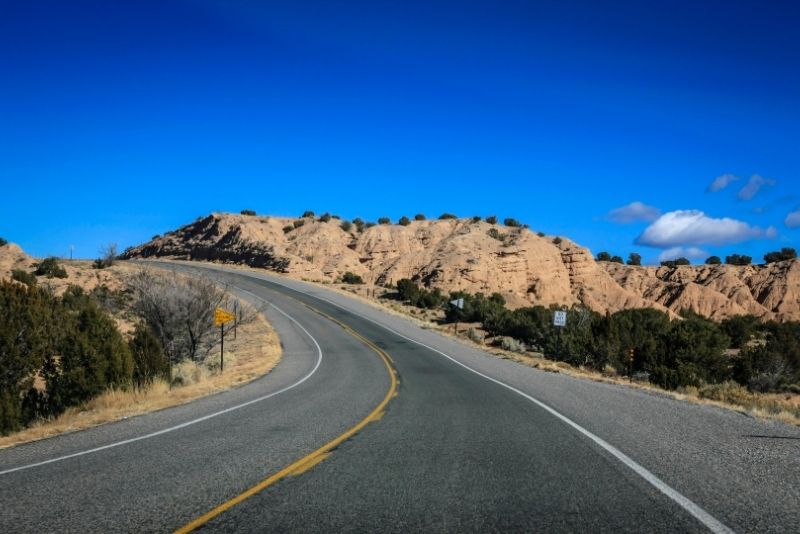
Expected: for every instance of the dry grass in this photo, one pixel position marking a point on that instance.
(254, 353)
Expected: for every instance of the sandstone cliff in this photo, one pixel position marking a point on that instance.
(478, 257)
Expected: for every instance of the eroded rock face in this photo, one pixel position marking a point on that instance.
(479, 257)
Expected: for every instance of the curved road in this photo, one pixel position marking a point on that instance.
(470, 442)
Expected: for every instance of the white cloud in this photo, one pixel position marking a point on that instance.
(753, 186)
(793, 219)
(721, 182)
(683, 252)
(693, 227)
(634, 212)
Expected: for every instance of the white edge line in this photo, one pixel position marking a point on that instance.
(713, 524)
(193, 421)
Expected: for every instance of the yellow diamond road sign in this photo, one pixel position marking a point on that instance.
(222, 316)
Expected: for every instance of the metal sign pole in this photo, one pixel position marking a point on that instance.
(221, 347)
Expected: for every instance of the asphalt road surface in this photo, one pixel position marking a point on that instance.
(468, 442)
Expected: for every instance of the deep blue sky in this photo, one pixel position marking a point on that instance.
(120, 120)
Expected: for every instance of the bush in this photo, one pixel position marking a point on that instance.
(786, 253)
(23, 276)
(557, 240)
(308, 214)
(512, 345)
(288, 228)
(491, 219)
(713, 260)
(298, 223)
(494, 233)
(384, 220)
(369, 224)
(603, 256)
(157, 236)
(325, 217)
(346, 225)
(149, 360)
(404, 221)
(738, 259)
(540, 234)
(445, 216)
(50, 268)
(3, 242)
(740, 329)
(476, 219)
(409, 291)
(634, 259)
(248, 212)
(616, 259)
(676, 262)
(513, 223)
(419, 217)
(351, 278)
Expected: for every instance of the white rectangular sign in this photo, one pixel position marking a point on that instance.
(560, 318)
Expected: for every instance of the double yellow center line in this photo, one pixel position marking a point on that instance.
(307, 462)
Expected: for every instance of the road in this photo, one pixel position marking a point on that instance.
(467, 442)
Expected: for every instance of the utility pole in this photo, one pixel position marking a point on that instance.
(71, 248)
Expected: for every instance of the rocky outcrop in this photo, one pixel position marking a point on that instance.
(478, 257)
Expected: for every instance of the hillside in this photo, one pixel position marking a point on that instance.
(460, 254)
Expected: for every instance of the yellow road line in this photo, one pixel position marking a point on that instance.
(308, 462)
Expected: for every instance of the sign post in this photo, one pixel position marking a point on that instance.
(220, 318)
(458, 303)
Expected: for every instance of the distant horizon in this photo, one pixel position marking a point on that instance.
(663, 129)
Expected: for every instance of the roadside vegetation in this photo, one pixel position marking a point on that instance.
(740, 360)
(63, 355)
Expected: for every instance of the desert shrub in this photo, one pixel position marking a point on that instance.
(369, 224)
(178, 310)
(474, 335)
(422, 298)
(740, 329)
(3, 242)
(419, 217)
(248, 212)
(713, 260)
(298, 223)
(23, 276)
(634, 259)
(50, 268)
(540, 234)
(445, 216)
(513, 223)
(773, 365)
(557, 240)
(157, 236)
(676, 262)
(346, 225)
(384, 220)
(494, 233)
(351, 278)
(308, 214)
(476, 219)
(512, 345)
(325, 217)
(288, 228)
(786, 253)
(108, 254)
(738, 259)
(337, 217)
(616, 259)
(404, 221)
(603, 256)
(90, 354)
(491, 219)
(149, 360)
